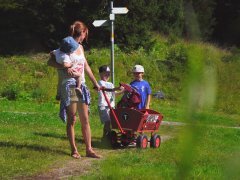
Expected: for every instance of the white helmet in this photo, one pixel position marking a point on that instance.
(138, 68)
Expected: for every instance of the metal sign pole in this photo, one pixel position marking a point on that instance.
(99, 23)
(112, 43)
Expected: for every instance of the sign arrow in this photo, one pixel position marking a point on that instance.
(98, 23)
(120, 10)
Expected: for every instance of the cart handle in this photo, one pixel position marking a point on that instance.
(127, 87)
(106, 89)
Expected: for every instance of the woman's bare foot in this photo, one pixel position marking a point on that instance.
(92, 154)
(76, 155)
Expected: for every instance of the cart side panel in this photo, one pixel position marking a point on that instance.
(151, 120)
(129, 119)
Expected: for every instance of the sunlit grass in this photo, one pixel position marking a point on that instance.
(33, 138)
(33, 141)
(165, 68)
(200, 83)
(212, 154)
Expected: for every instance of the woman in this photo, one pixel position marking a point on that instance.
(78, 104)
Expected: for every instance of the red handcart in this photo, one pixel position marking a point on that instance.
(129, 124)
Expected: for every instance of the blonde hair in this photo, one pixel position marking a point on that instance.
(77, 28)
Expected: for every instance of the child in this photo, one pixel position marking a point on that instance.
(142, 86)
(63, 56)
(103, 109)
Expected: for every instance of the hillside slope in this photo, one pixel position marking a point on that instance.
(175, 67)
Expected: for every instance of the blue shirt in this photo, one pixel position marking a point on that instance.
(144, 90)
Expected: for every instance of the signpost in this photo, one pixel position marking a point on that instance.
(99, 23)
(120, 10)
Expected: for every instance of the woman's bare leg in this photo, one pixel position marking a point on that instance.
(86, 131)
(71, 120)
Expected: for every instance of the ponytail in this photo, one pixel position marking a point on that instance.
(71, 32)
(77, 28)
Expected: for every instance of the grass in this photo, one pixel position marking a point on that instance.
(200, 83)
(215, 150)
(175, 112)
(30, 142)
(33, 139)
(167, 67)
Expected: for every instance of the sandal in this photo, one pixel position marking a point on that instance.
(92, 155)
(76, 155)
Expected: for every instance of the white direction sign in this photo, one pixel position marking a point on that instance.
(98, 23)
(120, 10)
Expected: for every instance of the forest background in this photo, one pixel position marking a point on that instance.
(40, 25)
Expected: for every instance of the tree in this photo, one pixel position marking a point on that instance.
(227, 28)
(41, 24)
(199, 18)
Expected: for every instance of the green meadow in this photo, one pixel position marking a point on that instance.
(201, 87)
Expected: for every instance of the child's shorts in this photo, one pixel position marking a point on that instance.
(85, 97)
(104, 114)
(73, 94)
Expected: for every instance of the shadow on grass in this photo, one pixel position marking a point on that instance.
(51, 135)
(100, 143)
(96, 141)
(31, 147)
(58, 136)
(105, 143)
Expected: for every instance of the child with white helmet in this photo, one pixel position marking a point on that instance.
(142, 86)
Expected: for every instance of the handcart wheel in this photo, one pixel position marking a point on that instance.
(113, 139)
(155, 141)
(142, 141)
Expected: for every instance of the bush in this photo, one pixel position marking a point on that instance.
(11, 91)
(177, 54)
